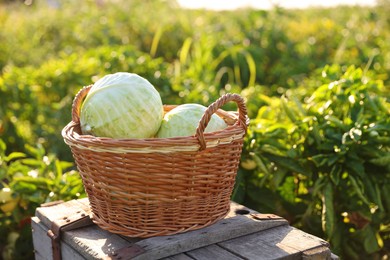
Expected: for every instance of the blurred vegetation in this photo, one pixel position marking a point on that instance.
(316, 83)
(323, 161)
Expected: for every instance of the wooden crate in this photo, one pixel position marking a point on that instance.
(242, 234)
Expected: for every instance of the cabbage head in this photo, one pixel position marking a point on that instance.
(184, 119)
(122, 105)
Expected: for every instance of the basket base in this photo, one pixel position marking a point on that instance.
(150, 220)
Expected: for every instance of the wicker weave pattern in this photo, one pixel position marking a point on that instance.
(150, 187)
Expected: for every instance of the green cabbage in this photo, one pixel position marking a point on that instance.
(184, 119)
(122, 105)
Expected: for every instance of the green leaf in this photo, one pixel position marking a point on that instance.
(185, 50)
(3, 173)
(14, 155)
(337, 122)
(58, 169)
(288, 163)
(358, 189)
(30, 184)
(252, 68)
(372, 104)
(260, 164)
(287, 189)
(155, 41)
(318, 186)
(37, 152)
(299, 106)
(356, 166)
(326, 146)
(292, 153)
(270, 149)
(65, 165)
(278, 177)
(350, 251)
(328, 214)
(377, 197)
(276, 144)
(335, 174)
(383, 140)
(265, 198)
(288, 110)
(32, 162)
(24, 187)
(316, 133)
(333, 158)
(385, 192)
(276, 130)
(370, 151)
(368, 237)
(320, 159)
(238, 194)
(381, 161)
(3, 146)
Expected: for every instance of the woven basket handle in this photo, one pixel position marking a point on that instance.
(77, 101)
(242, 115)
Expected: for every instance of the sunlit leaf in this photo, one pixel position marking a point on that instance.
(32, 162)
(14, 155)
(3, 146)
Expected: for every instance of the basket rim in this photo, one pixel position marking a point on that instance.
(74, 138)
(237, 126)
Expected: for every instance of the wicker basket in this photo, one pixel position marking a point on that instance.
(159, 186)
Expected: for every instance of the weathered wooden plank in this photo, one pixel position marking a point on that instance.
(49, 214)
(42, 244)
(237, 209)
(69, 254)
(93, 242)
(178, 257)
(280, 242)
(214, 252)
(302, 241)
(241, 235)
(240, 225)
(250, 248)
(317, 253)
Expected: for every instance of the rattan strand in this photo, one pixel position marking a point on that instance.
(151, 187)
(155, 145)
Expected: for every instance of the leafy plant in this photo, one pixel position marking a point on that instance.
(28, 180)
(36, 102)
(323, 162)
(314, 146)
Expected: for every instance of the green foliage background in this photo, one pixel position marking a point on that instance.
(316, 83)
